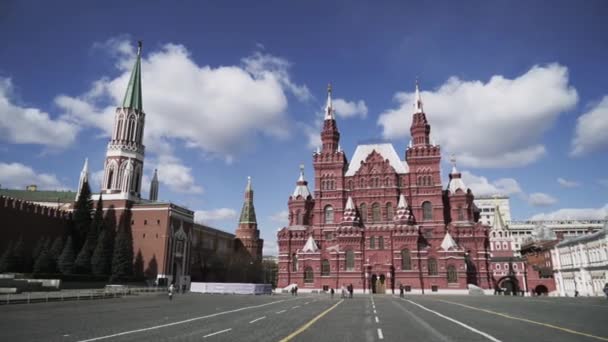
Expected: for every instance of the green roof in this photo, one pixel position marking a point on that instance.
(40, 195)
(133, 97)
(248, 213)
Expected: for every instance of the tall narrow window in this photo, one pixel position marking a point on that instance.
(389, 211)
(460, 213)
(406, 260)
(298, 217)
(380, 242)
(308, 276)
(372, 242)
(329, 214)
(432, 266)
(452, 275)
(325, 267)
(350, 260)
(363, 212)
(294, 263)
(110, 178)
(376, 212)
(427, 211)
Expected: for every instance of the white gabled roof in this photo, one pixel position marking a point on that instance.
(310, 246)
(349, 204)
(386, 150)
(448, 242)
(456, 182)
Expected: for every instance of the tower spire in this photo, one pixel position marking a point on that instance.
(248, 211)
(329, 110)
(84, 177)
(418, 104)
(133, 96)
(154, 187)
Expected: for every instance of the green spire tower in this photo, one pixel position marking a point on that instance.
(133, 97)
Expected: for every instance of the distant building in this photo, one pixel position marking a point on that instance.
(487, 208)
(581, 264)
(539, 268)
(508, 270)
(61, 200)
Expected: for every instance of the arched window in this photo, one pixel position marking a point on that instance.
(406, 259)
(308, 276)
(427, 211)
(350, 185)
(432, 266)
(389, 211)
(376, 212)
(134, 185)
(350, 260)
(110, 178)
(372, 242)
(298, 217)
(294, 263)
(460, 213)
(329, 214)
(452, 275)
(363, 212)
(380, 242)
(325, 267)
(386, 182)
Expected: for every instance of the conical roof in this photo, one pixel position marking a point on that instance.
(448, 242)
(133, 97)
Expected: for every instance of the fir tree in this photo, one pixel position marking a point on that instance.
(65, 263)
(18, 256)
(44, 263)
(97, 225)
(138, 266)
(122, 259)
(6, 258)
(38, 248)
(82, 265)
(101, 260)
(82, 216)
(56, 248)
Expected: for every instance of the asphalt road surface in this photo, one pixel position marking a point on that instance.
(195, 317)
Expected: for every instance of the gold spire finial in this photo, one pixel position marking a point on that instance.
(139, 44)
(301, 167)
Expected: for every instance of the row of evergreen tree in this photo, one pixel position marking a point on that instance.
(94, 245)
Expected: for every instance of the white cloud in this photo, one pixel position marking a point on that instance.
(591, 127)
(539, 199)
(567, 183)
(481, 186)
(26, 125)
(499, 123)
(173, 173)
(346, 109)
(216, 110)
(282, 217)
(270, 248)
(18, 176)
(574, 214)
(204, 216)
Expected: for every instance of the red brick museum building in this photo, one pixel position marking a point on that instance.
(378, 222)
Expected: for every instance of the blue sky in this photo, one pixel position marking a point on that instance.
(516, 91)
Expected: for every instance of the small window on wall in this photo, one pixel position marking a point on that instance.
(350, 260)
(376, 212)
(325, 267)
(380, 242)
(308, 276)
(406, 260)
(389, 211)
(432, 266)
(294, 263)
(329, 214)
(434, 288)
(145, 222)
(372, 242)
(427, 211)
(452, 275)
(363, 212)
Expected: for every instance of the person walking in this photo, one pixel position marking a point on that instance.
(350, 291)
(401, 290)
(343, 294)
(331, 292)
(171, 290)
(606, 290)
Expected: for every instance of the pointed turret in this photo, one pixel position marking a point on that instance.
(154, 187)
(456, 181)
(84, 177)
(133, 97)
(330, 137)
(300, 202)
(310, 246)
(448, 243)
(403, 214)
(247, 234)
(350, 217)
(420, 128)
(418, 104)
(329, 110)
(301, 186)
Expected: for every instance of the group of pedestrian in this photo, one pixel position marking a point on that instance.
(171, 290)
(294, 290)
(347, 291)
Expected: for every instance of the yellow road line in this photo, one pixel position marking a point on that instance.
(307, 325)
(527, 320)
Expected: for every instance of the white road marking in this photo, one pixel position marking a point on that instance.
(217, 332)
(179, 322)
(279, 312)
(375, 313)
(380, 336)
(486, 335)
(295, 307)
(377, 320)
(306, 303)
(257, 319)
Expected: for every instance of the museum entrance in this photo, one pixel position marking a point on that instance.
(378, 284)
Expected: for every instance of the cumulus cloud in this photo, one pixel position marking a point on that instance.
(282, 217)
(27, 125)
(18, 176)
(567, 183)
(173, 173)
(591, 127)
(481, 186)
(498, 123)
(349, 109)
(539, 199)
(217, 110)
(204, 216)
(574, 214)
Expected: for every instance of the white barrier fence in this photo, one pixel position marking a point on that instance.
(231, 288)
